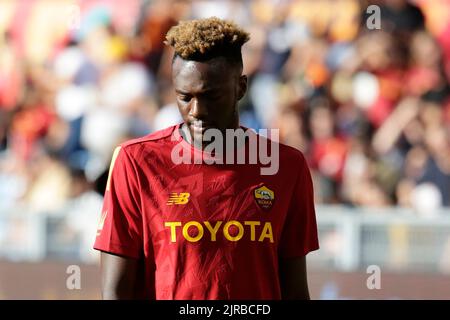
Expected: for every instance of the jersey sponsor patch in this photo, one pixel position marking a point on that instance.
(232, 230)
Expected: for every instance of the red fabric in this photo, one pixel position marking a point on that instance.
(10, 87)
(328, 156)
(28, 127)
(419, 80)
(391, 85)
(137, 214)
(22, 12)
(379, 111)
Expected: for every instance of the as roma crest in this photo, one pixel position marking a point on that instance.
(264, 197)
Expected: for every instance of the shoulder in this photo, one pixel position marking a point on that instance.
(291, 153)
(153, 142)
(292, 162)
(151, 139)
(286, 153)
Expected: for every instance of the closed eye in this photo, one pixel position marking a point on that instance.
(184, 97)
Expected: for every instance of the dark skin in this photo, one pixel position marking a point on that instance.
(118, 276)
(207, 91)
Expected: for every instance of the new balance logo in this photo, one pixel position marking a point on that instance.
(178, 198)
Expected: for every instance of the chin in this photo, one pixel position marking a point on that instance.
(197, 136)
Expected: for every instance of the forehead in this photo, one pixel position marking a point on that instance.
(201, 75)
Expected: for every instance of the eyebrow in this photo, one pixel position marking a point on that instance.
(208, 90)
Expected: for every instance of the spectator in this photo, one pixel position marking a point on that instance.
(370, 109)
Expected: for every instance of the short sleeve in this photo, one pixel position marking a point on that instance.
(299, 235)
(120, 227)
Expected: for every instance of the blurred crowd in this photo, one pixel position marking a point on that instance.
(368, 106)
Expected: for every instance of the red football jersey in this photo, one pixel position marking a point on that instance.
(206, 231)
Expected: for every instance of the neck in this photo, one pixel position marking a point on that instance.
(186, 134)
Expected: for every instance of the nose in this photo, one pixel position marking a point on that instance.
(198, 109)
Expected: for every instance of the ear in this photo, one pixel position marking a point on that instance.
(242, 86)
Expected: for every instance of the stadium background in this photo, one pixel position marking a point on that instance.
(369, 108)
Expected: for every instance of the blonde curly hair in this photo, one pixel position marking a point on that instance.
(204, 39)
